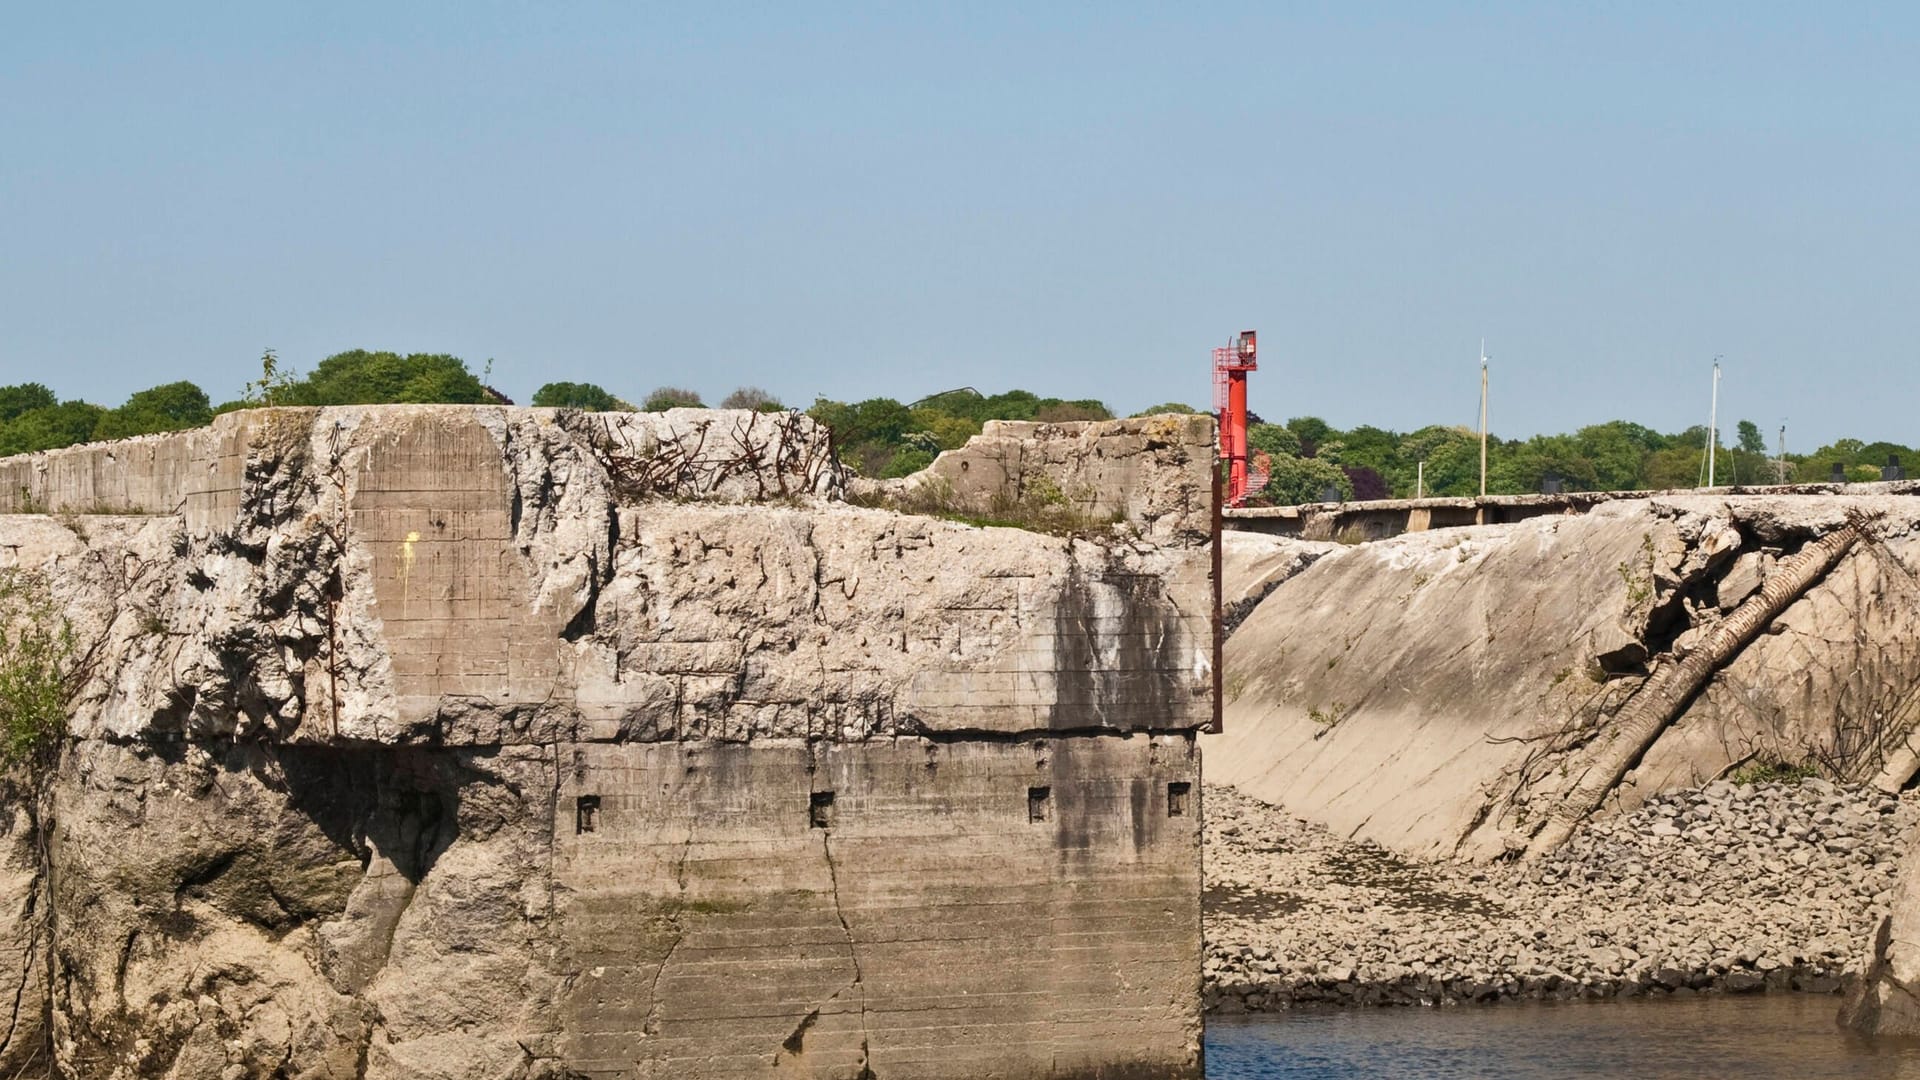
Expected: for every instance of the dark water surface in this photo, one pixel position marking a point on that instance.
(1763, 1037)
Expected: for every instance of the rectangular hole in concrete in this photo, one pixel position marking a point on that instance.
(586, 813)
(1177, 794)
(820, 810)
(1039, 803)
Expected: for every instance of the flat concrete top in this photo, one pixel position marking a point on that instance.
(1567, 499)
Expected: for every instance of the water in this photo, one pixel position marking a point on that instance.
(1764, 1037)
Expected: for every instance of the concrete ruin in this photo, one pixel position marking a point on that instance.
(416, 741)
(1454, 693)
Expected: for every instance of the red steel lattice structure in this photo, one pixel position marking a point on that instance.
(1231, 363)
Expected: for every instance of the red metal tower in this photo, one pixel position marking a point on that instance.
(1230, 366)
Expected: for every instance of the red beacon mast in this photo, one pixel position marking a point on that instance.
(1230, 366)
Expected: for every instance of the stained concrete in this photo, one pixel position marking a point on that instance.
(464, 742)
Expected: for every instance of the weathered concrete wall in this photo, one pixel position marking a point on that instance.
(436, 741)
(1148, 471)
(924, 933)
(1440, 692)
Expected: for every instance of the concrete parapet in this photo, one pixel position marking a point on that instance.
(1154, 472)
(1378, 519)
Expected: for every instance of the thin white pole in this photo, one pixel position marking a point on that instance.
(1483, 418)
(1713, 421)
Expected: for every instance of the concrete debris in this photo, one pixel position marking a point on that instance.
(1729, 888)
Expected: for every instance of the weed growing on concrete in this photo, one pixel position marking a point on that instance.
(1236, 684)
(73, 523)
(1328, 718)
(1038, 506)
(1639, 582)
(1774, 772)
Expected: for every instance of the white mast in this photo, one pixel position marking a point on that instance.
(1713, 421)
(1483, 418)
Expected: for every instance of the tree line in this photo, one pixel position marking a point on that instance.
(33, 418)
(1309, 455)
(1305, 456)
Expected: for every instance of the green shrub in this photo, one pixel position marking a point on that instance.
(36, 663)
(572, 395)
(1774, 772)
(1037, 505)
(672, 397)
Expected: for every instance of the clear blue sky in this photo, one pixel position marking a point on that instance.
(858, 200)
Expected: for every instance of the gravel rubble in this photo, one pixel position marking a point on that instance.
(1724, 889)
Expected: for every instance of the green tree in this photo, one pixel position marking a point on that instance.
(867, 433)
(1861, 461)
(879, 420)
(23, 398)
(1055, 411)
(174, 406)
(1751, 441)
(1522, 467)
(1312, 432)
(359, 377)
(573, 395)
(1675, 467)
(1274, 439)
(1012, 405)
(1452, 456)
(1294, 480)
(1616, 450)
(1167, 407)
(51, 428)
(949, 432)
(751, 397)
(966, 402)
(906, 461)
(1368, 447)
(1694, 438)
(672, 397)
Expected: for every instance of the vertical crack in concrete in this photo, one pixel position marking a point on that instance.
(27, 955)
(651, 1025)
(853, 954)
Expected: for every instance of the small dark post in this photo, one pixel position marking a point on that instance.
(1893, 471)
(1552, 483)
(1330, 493)
(1839, 474)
